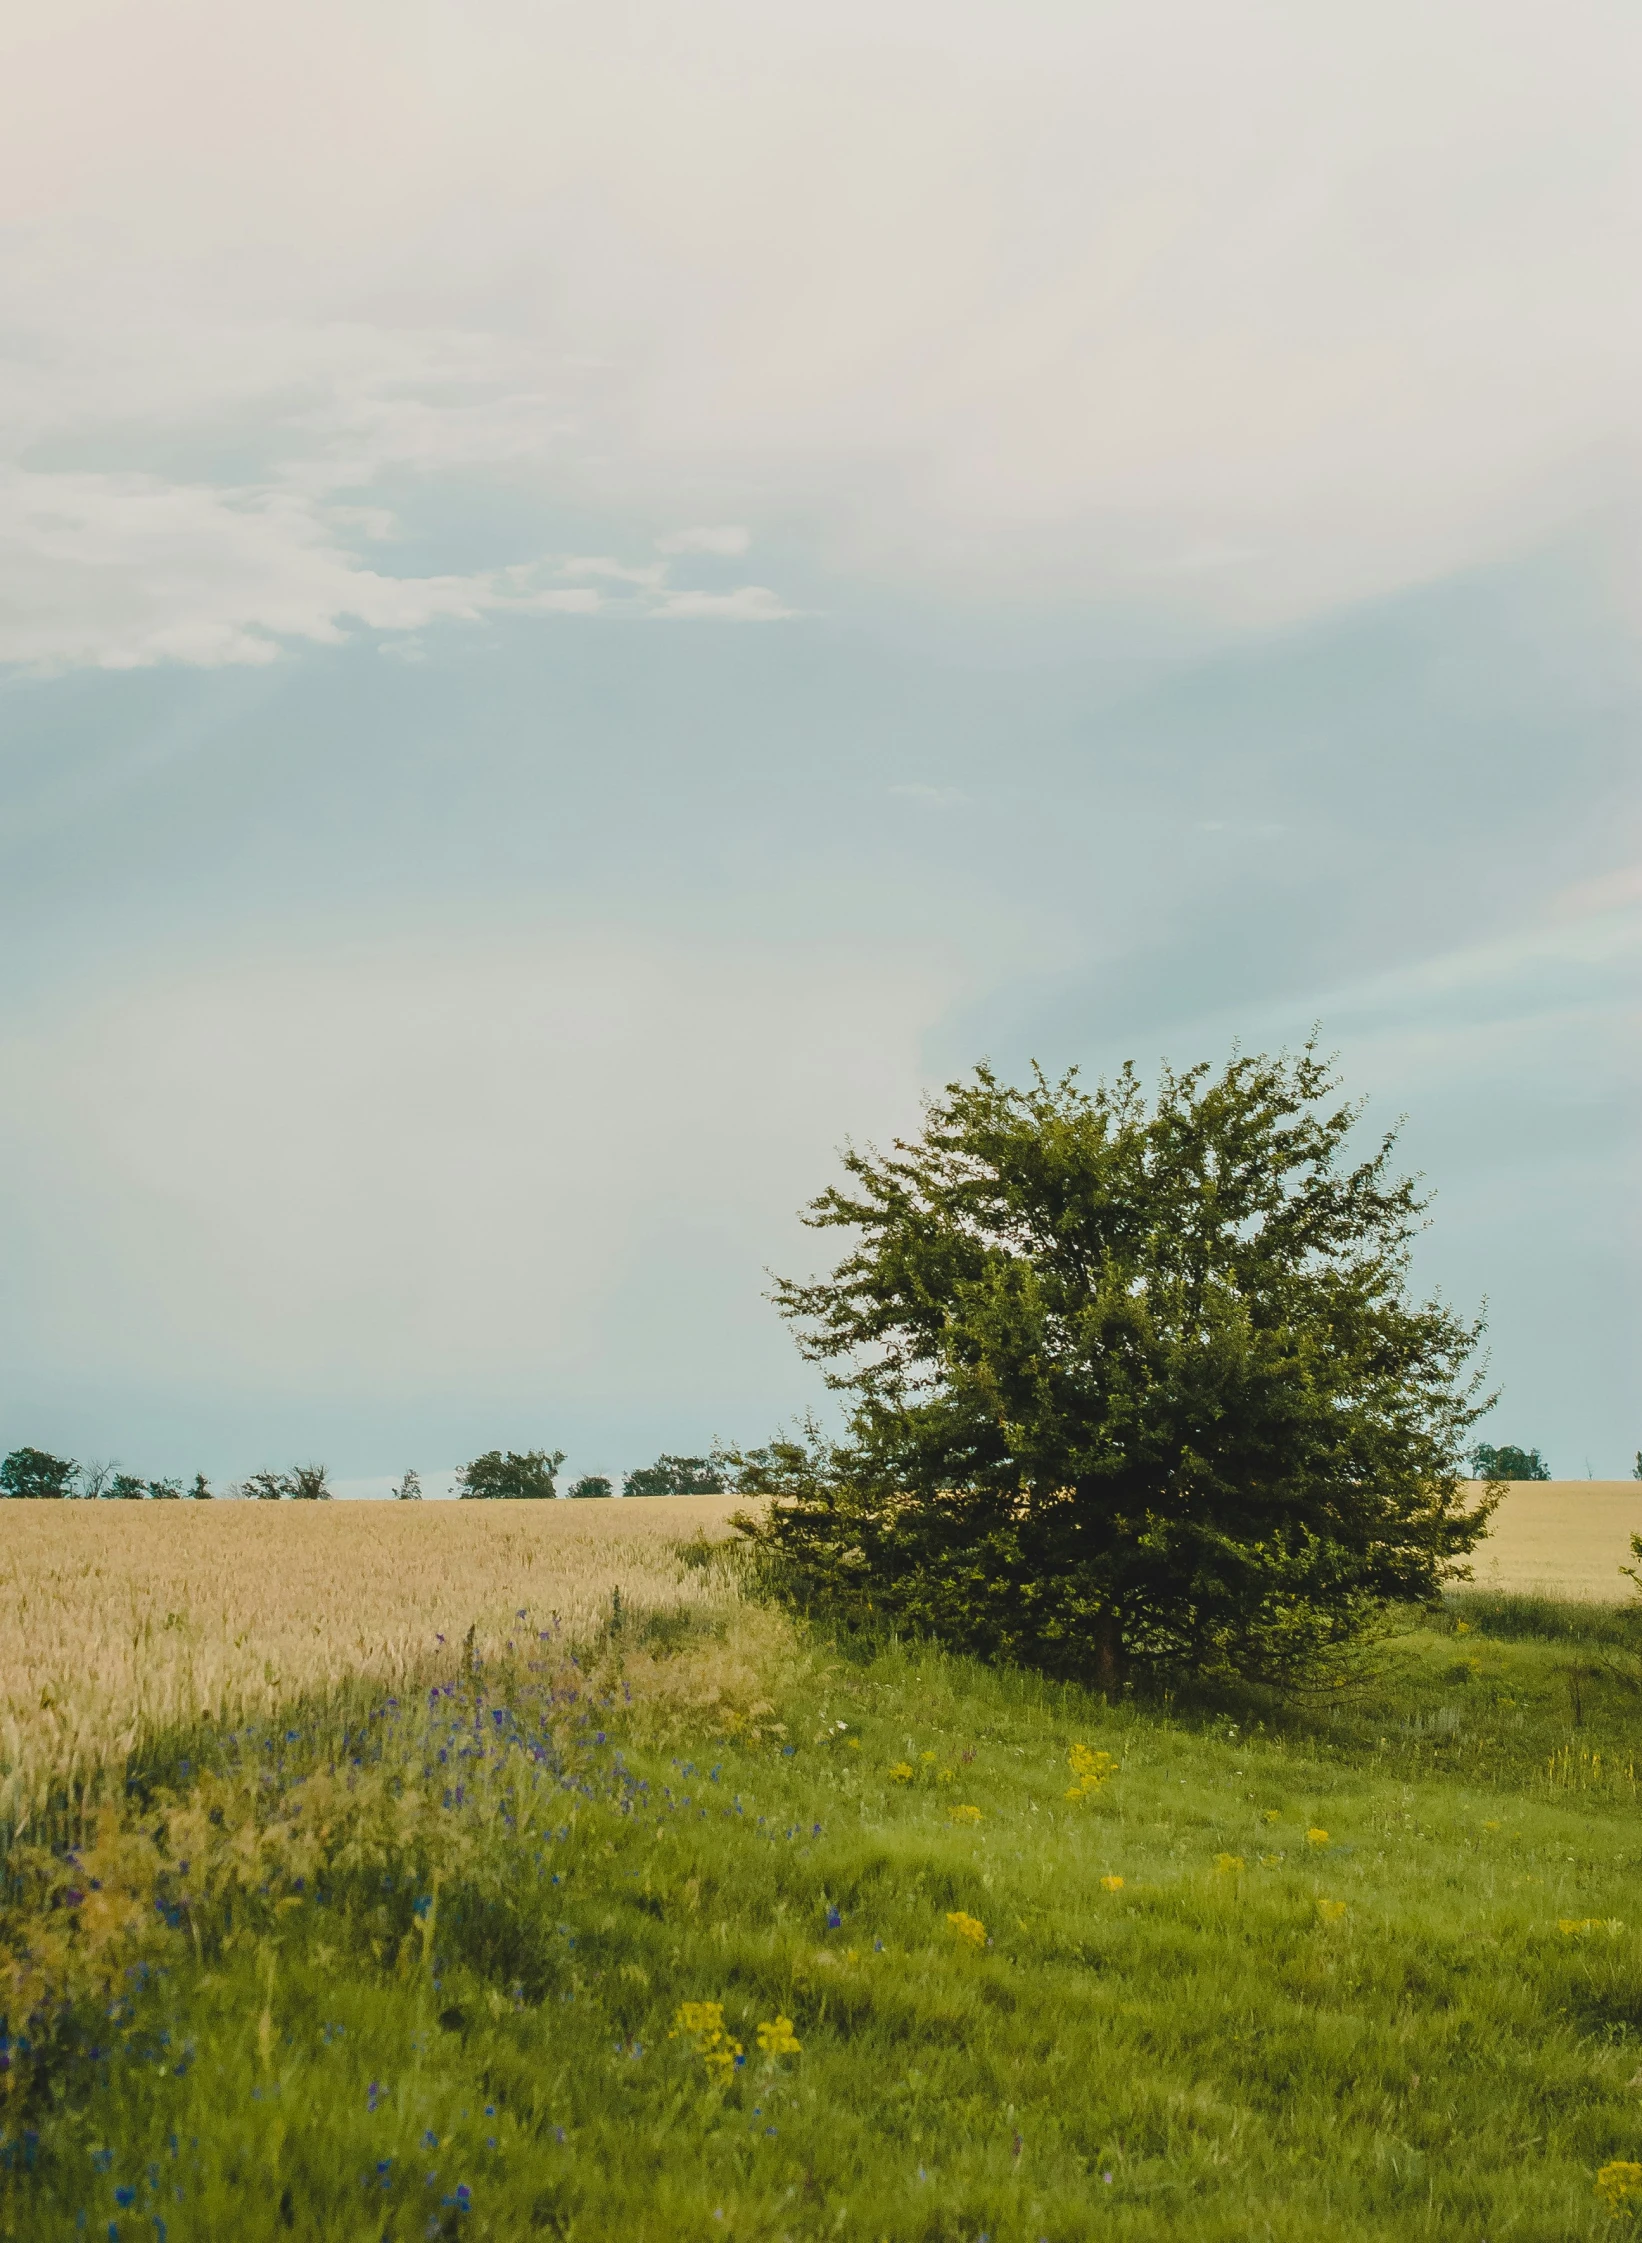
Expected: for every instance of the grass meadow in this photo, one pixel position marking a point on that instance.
(681, 1921)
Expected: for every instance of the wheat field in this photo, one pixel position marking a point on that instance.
(119, 1621)
(1563, 1538)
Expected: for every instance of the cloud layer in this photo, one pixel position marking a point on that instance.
(1230, 311)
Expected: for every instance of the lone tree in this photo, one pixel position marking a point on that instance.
(1508, 1463)
(511, 1478)
(1131, 1382)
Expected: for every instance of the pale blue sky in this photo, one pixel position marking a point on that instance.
(594, 600)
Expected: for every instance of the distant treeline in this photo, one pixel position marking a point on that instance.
(497, 1476)
(505, 1476)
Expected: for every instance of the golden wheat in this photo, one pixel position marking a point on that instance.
(1562, 1538)
(117, 1622)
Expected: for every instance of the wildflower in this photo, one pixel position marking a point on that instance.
(776, 2038)
(1271, 1861)
(1316, 1837)
(901, 1772)
(1111, 1884)
(1331, 1911)
(1227, 1864)
(1620, 2185)
(963, 1814)
(834, 1919)
(702, 2024)
(1090, 1770)
(1273, 1814)
(970, 1929)
(1576, 1927)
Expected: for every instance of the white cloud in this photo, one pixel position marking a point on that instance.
(1024, 300)
(648, 575)
(123, 571)
(750, 603)
(729, 539)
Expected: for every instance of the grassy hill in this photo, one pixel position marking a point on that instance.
(715, 1930)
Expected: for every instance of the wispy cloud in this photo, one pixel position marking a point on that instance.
(728, 539)
(749, 603)
(125, 571)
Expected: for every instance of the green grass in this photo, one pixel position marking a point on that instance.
(1386, 2035)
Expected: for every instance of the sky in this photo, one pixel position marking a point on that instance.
(594, 600)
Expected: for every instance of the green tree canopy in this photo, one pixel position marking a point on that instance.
(35, 1473)
(676, 1475)
(1508, 1463)
(590, 1486)
(1129, 1380)
(511, 1477)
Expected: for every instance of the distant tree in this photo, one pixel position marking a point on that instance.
(125, 1487)
(35, 1474)
(310, 1483)
(676, 1475)
(1508, 1463)
(409, 1489)
(265, 1487)
(591, 1484)
(1636, 1468)
(511, 1478)
(201, 1489)
(93, 1481)
(1134, 1380)
(165, 1491)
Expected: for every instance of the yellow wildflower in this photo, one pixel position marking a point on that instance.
(1111, 1884)
(776, 2038)
(1271, 1861)
(970, 1929)
(1620, 2184)
(901, 1772)
(1226, 1864)
(1273, 1814)
(1316, 1837)
(963, 1814)
(1575, 1927)
(702, 2025)
(1331, 1911)
(1090, 1768)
